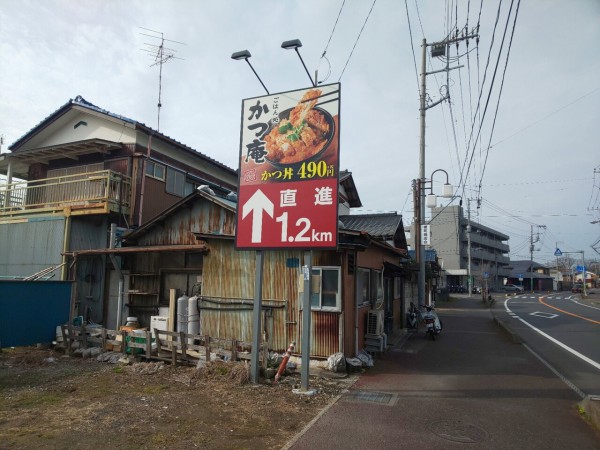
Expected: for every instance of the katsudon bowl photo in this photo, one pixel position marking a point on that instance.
(298, 137)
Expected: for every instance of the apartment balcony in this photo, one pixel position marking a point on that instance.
(485, 241)
(98, 192)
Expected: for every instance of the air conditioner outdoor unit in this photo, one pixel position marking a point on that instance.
(375, 321)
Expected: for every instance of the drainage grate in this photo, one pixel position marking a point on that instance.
(381, 398)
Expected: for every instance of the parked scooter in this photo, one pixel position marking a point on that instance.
(433, 323)
(412, 317)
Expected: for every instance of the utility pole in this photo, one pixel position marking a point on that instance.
(440, 50)
(531, 260)
(531, 248)
(470, 281)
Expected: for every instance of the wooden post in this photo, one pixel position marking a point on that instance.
(123, 341)
(157, 338)
(148, 344)
(83, 336)
(172, 315)
(183, 342)
(207, 347)
(233, 350)
(173, 352)
(103, 339)
(65, 338)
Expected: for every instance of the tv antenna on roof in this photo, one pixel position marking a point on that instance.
(161, 55)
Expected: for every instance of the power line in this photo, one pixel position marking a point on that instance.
(356, 42)
(500, 92)
(412, 47)
(547, 116)
(328, 42)
(490, 88)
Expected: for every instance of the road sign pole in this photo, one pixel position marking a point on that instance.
(256, 334)
(306, 310)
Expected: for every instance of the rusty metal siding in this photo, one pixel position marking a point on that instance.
(325, 333)
(204, 217)
(228, 319)
(229, 274)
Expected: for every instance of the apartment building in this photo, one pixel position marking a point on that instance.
(455, 237)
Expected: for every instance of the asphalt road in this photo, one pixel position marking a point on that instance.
(473, 387)
(563, 330)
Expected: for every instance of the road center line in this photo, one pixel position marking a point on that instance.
(556, 341)
(541, 300)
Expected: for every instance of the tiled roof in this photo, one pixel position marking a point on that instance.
(378, 225)
(80, 101)
(385, 226)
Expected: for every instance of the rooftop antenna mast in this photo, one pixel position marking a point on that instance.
(161, 55)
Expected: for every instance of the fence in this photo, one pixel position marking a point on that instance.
(174, 347)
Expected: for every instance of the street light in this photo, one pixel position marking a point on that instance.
(431, 203)
(295, 44)
(447, 191)
(245, 54)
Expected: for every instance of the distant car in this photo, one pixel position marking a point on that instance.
(512, 288)
(577, 287)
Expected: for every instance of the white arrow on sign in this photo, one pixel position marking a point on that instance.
(256, 204)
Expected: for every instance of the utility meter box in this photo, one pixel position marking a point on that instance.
(159, 322)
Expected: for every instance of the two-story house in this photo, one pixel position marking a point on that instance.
(74, 174)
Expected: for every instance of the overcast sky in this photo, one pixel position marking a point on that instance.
(532, 162)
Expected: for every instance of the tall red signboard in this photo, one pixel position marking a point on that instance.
(289, 170)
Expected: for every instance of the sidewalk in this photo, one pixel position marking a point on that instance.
(472, 386)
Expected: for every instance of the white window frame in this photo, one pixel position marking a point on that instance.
(318, 297)
(151, 166)
(376, 286)
(360, 288)
(175, 182)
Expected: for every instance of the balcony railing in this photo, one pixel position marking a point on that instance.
(100, 191)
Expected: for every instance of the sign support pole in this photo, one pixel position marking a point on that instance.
(306, 310)
(256, 325)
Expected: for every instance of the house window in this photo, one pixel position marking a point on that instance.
(376, 286)
(189, 188)
(329, 299)
(397, 287)
(175, 182)
(363, 286)
(155, 170)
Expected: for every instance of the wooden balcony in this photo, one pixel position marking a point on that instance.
(98, 192)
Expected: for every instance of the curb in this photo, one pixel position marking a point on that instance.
(298, 435)
(591, 405)
(502, 324)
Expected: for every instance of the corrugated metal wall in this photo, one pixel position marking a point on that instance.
(30, 246)
(229, 274)
(90, 232)
(325, 333)
(204, 217)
